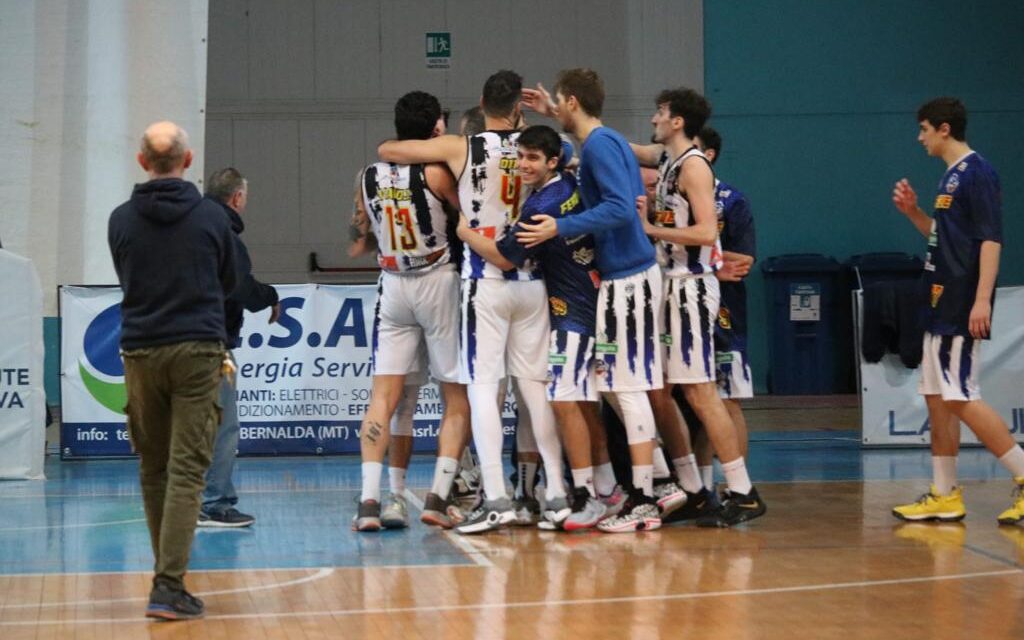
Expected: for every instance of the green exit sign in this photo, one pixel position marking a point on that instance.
(439, 50)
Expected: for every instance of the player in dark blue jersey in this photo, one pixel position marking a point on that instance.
(572, 282)
(736, 231)
(964, 240)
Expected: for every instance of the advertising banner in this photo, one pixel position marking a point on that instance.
(22, 397)
(893, 413)
(303, 384)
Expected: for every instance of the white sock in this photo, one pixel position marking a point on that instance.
(689, 476)
(643, 479)
(444, 475)
(493, 478)
(604, 479)
(542, 419)
(371, 481)
(584, 478)
(707, 475)
(396, 480)
(944, 474)
(488, 437)
(736, 476)
(526, 479)
(1013, 460)
(661, 470)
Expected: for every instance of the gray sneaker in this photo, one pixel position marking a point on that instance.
(367, 518)
(640, 513)
(555, 512)
(490, 515)
(613, 502)
(527, 512)
(395, 513)
(669, 494)
(587, 511)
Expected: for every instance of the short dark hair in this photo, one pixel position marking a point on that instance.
(710, 139)
(945, 110)
(687, 104)
(542, 138)
(416, 115)
(224, 183)
(585, 85)
(502, 91)
(473, 121)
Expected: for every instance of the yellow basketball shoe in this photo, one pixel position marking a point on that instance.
(930, 506)
(1015, 513)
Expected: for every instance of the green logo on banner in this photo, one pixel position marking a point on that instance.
(102, 354)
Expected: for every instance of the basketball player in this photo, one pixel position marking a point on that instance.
(417, 295)
(504, 313)
(964, 240)
(736, 233)
(438, 508)
(572, 284)
(629, 362)
(686, 229)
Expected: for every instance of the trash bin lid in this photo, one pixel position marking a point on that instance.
(886, 261)
(800, 263)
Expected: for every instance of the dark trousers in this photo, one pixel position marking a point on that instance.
(173, 413)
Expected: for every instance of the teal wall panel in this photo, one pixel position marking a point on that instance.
(51, 360)
(816, 102)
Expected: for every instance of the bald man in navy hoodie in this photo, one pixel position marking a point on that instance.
(176, 260)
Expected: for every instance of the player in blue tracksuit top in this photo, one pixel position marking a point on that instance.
(567, 264)
(628, 355)
(964, 241)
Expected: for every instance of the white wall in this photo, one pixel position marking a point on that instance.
(80, 81)
(301, 92)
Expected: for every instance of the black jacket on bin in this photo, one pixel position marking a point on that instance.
(893, 321)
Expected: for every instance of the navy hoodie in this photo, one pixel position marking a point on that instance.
(250, 294)
(176, 260)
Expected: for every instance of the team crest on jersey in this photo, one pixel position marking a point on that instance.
(559, 307)
(943, 201)
(630, 289)
(583, 256)
(961, 166)
(724, 318)
(952, 183)
(936, 294)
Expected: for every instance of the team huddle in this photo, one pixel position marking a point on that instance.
(507, 258)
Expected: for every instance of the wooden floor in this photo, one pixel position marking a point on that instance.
(828, 561)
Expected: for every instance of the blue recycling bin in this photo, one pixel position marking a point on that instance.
(802, 311)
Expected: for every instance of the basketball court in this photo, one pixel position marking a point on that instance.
(828, 561)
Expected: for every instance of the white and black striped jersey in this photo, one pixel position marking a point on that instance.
(408, 219)
(490, 193)
(672, 209)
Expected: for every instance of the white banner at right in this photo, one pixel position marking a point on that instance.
(893, 413)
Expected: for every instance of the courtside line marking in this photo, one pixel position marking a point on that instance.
(544, 603)
(456, 539)
(77, 525)
(355, 567)
(320, 574)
